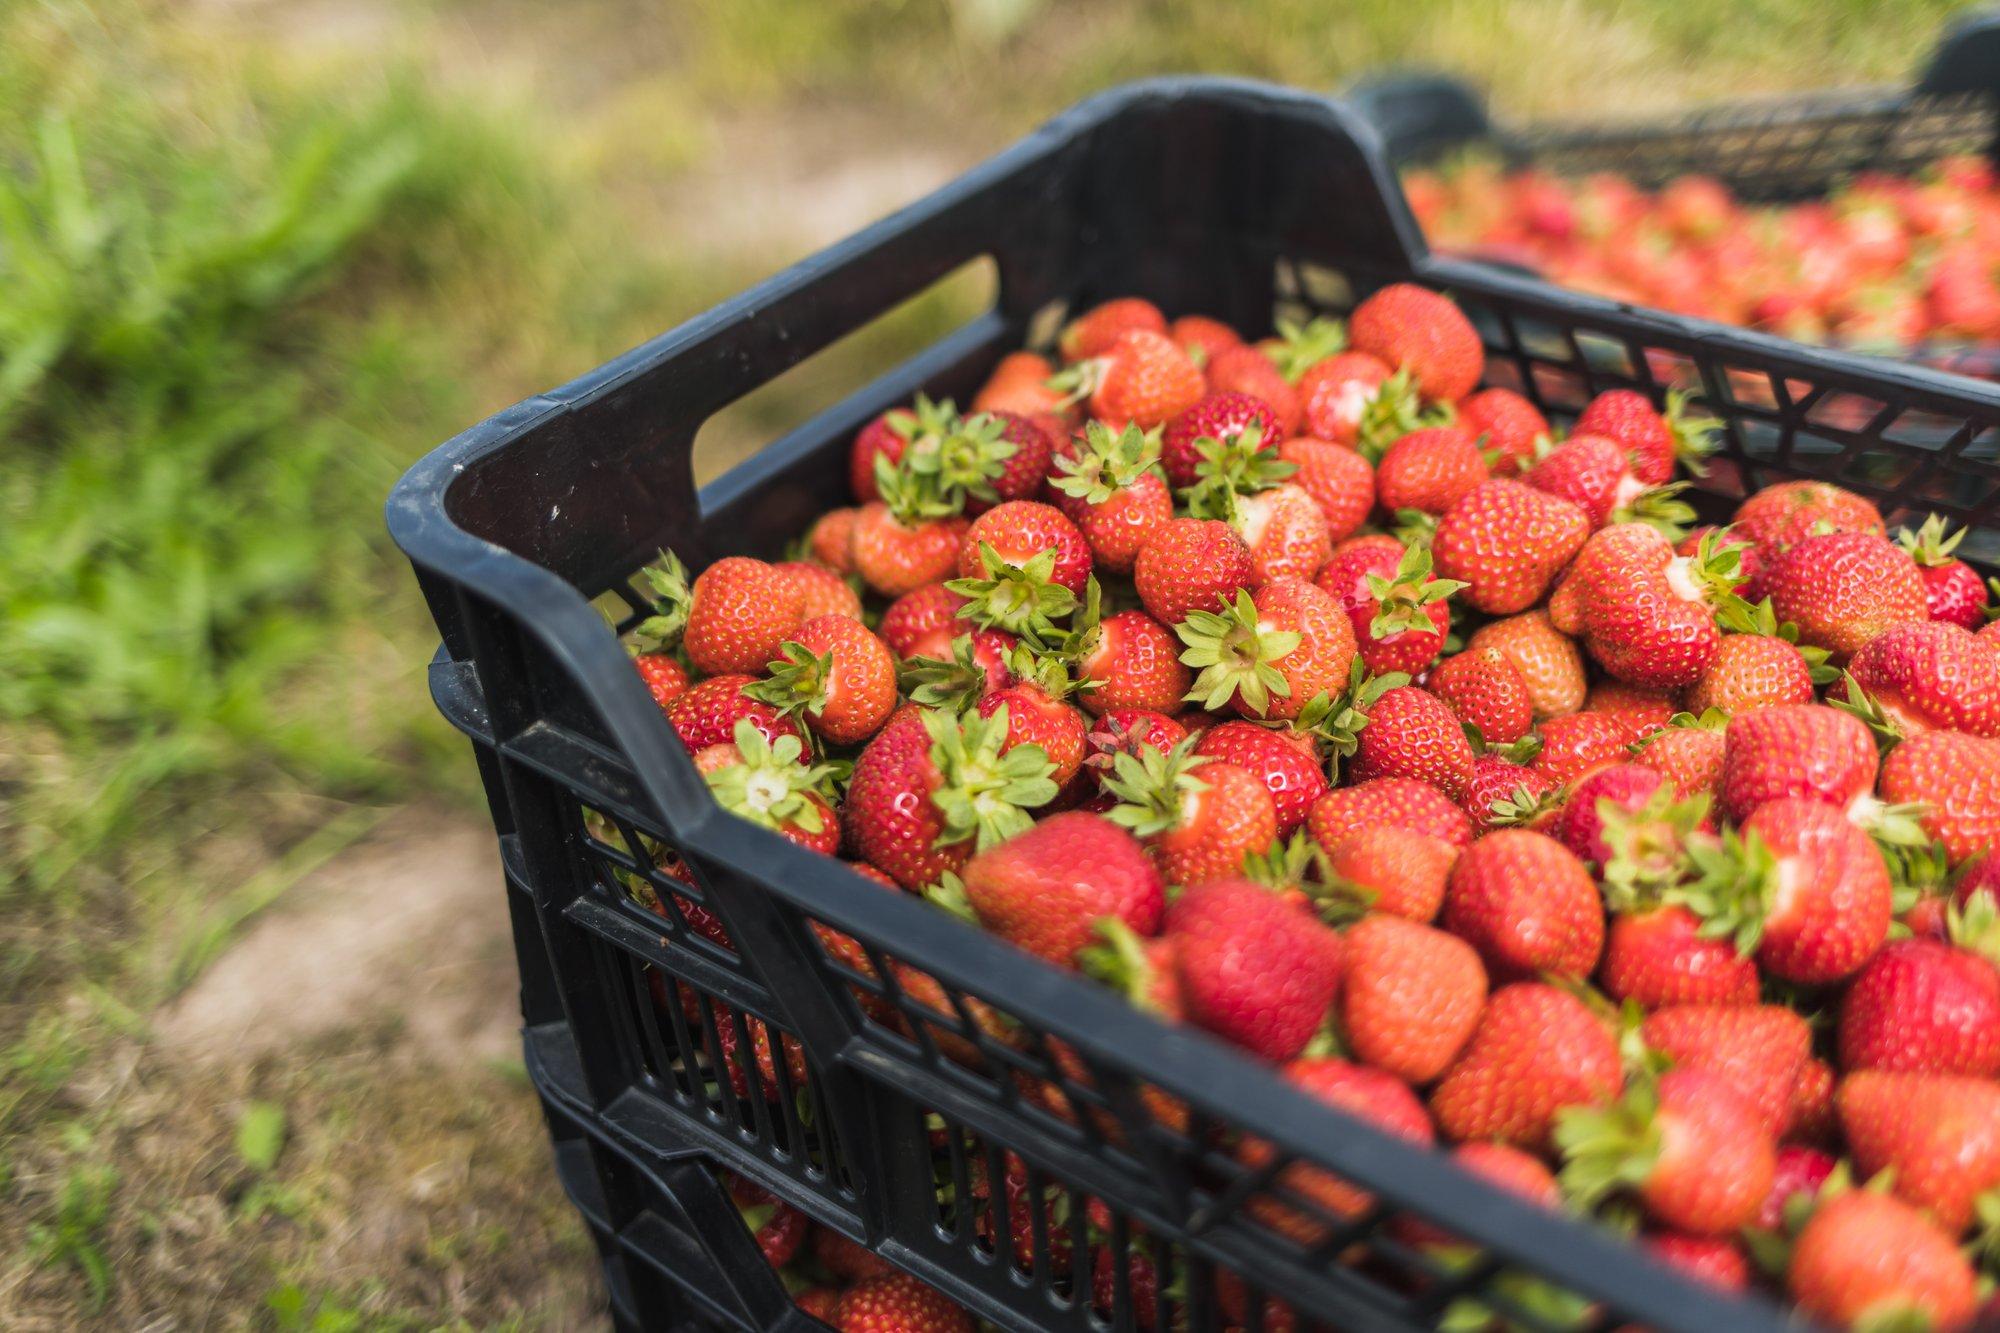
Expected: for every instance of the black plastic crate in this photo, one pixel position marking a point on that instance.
(1229, 198)
(1769, 150)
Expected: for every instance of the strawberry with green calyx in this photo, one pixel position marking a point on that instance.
(988, 787)
(1952, 589)
(1411, 618)
(1126, 660)
(836, 676)
(771, 785)
(1956, 778)
(1930, 676)
(1286, 759)
(1687, 1143)
(1688, 751)
(1505, 794)
(1142, 376)
(1299, 347)
(1391, 411)
(1228, 469)
(1595, 474)
(1270, 652)
(1757, 1048)
(959, 458)
(1022, 600)
(1223, 434)
(907, 539)
(1655, 441)
(1647, 846)
(1040, 712)
(1111, 487)
(978, 665)
(1338, 718)
(1140, 969)
(1760, 661)
(1199, 816)
(655, 641)
(1644, 613)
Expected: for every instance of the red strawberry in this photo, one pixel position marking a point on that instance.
(769, 784)
(1411, 734)
(1801, 887)
(1537, 1050)
(1548, 660)
(706, 714)
(1658, 957)
(1939, 1133)
(1429, 470)
(1527, 904)
(884, 437)
(948, 669)
(1688, 756)
(1199, 817)
(1285, 531)
(1781, 515)
(1344, 394)
(1092, 333)
(1757, 1049)
(1594, 474)
(895, 555)
(1345, 575)
(1255, 967)
(1597, 823)
(1843, 588)
(1794, 750)
(831, 538)
(1653, 440)
(1037, 715)
(1813, 1118)
(1130, 659)
(835, 675)
(1249, 371)
(1484, 689)
(1507, 541)
(1337, 478)
(1400, 802)
(1645, 613)
(821, 591)
(1953, 591)
(1400, 872)
(1694, 1151)
(1201, 337)
(1418, 330)
(1750, 671)
(1366, 1094)
(1190, 565)
(1111, 490)
(1400, 618)
(1142, 377)
(1957, 779)
(818, 1302)
(1923, 1005)
(1285, 761)
(1124, 731)
(1800, 1171)
(742, 609)
(917, 615)
(1931, 675)
(899, 1303)
(1020, 384)
(967, 796)
(1641, 709)
(1504, 794)
(666, 679)
(1269, 654)
(1580, 743)
(1045, 889)
(1228, 418)
(1508, 425)
(1714, 1261)
(1020, 530)
(1410, 996)
(1866, 1256)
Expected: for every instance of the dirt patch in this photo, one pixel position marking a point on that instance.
(409, 927)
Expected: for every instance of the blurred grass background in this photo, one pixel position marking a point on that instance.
(257, 256)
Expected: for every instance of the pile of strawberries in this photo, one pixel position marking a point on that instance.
(1885, 262)
(1314, 696)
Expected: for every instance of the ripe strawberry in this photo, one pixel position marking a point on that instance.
(706, 714)
(1574, 746)
(1366, 1094)
(831, 538)
(1508, 424)
(1751, 671)
(1779, 516)
(1953, 591)
(836, 676)
(1654, 441)
(818, 1302)
(885, 437)
(1110, 487)
(1645, 613)
(1932, 675)
(769, 784)
(1297, 348)
(1800, 1173)
(1399, 802)
(1498, 1164)
(1507, 541)
(1548, 660)
(666, 679)
(1689, 756)
(1285, 761)
(968, 796)
(1485, 690)
(1201, 337)
(1124, 731)
(1527, 904)
(1693, 1150)
(1142, 377)
(1345, 575)
(1249, 371)
(1418, 330)
(1285, 531)
(1802, 888)
(915, 616)
(1607, 816)
(899, 1303)
(1396, 870)
(1429, 470)
(1640, 709)
(1658, 957)
(1019, 531)
(1129, 659)
(1594, 474)
(1400, 616)
(947, 669)
(1045, 889)
(1813, 1119)
(1957, 779)
(742, 609)
(1255, 968)
(821, 591)
(1346, 394)
(1923, 1005)
(1190, 565)
(1039, 715)
(1714, 1261)
(1411, 734)
(1802, 750)
(1757, 1049)
(1410, 996)
(895, 555)
(1339, 480)
(1092, 333)
(1504, 794)
(1868, 1257)
(1269, 654)
(1199, 817)
(1229, 418)
(1939, 1133)
(1536, 1051)
(1843, 588)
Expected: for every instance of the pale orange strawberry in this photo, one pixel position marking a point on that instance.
(1410, 996)
(1484, 689)
(1020, 385)
(821, 591)
(1548, 660)
(1201, 337)
(831, 538)
(1870, 1257)
(896, 555)
(1339, 396)
(1285, 530)
(1248, 370)
(1507, 542)
(1751, 671)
